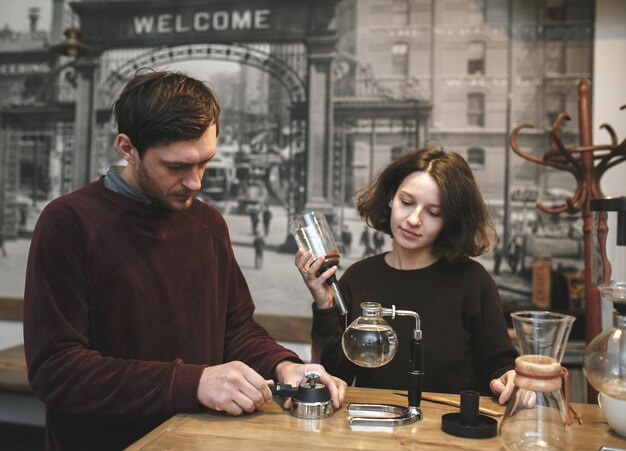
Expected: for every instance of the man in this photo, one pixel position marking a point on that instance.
(135, 308)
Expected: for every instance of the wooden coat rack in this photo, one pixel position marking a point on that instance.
(587, 163)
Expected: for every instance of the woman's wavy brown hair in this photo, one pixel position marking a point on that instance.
(467, 231)
(159, 107)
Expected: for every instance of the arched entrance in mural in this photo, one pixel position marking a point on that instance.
(242, 176)
(264, 60)
(234, 31)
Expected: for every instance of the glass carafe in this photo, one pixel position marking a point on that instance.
(537, 416)
(605, 358)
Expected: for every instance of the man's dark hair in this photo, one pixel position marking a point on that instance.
(159, 107)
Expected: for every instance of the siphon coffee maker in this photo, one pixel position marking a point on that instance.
(370, 342)
(537, 415)
(312, 233)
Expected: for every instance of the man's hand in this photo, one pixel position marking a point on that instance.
(294, 374)
(233, 388)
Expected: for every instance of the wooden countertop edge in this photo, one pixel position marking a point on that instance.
(158, 432)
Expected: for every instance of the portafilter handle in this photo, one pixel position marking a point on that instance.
(284, 390)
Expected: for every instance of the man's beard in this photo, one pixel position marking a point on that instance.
(151, 190)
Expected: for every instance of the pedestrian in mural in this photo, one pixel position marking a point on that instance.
(135, 308)
(520, 248)
(2, 248)
(379, 241)
(254, 220)
(267, 218)
(497, 256)
(365, 241)
(514, 254)
(430, 204)
(259, 245)
(234, 188)
(346, 238)
(23, 212)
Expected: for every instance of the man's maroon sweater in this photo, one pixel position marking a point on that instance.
(125, 305)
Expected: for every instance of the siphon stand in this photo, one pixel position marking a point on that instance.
(393, 415)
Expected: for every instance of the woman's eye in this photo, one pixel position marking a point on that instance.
(434, 213)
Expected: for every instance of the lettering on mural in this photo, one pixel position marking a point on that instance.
(24, 68)
(203, 21)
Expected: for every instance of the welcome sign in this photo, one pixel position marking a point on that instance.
(202, 21)
(107, 24)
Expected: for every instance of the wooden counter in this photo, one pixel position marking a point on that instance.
(273, 428)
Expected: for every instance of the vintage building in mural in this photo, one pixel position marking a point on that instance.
(483, 66)
(349, 85)
(35, 123)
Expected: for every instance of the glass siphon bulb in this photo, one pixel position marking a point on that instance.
(369, 341)
(604, 362)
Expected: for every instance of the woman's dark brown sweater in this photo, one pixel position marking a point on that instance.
(465, 340)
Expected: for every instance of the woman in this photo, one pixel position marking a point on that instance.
(429, 203)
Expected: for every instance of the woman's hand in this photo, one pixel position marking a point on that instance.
(320, 290)
(503, 386)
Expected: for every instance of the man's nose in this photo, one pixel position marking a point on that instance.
(193, 181)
